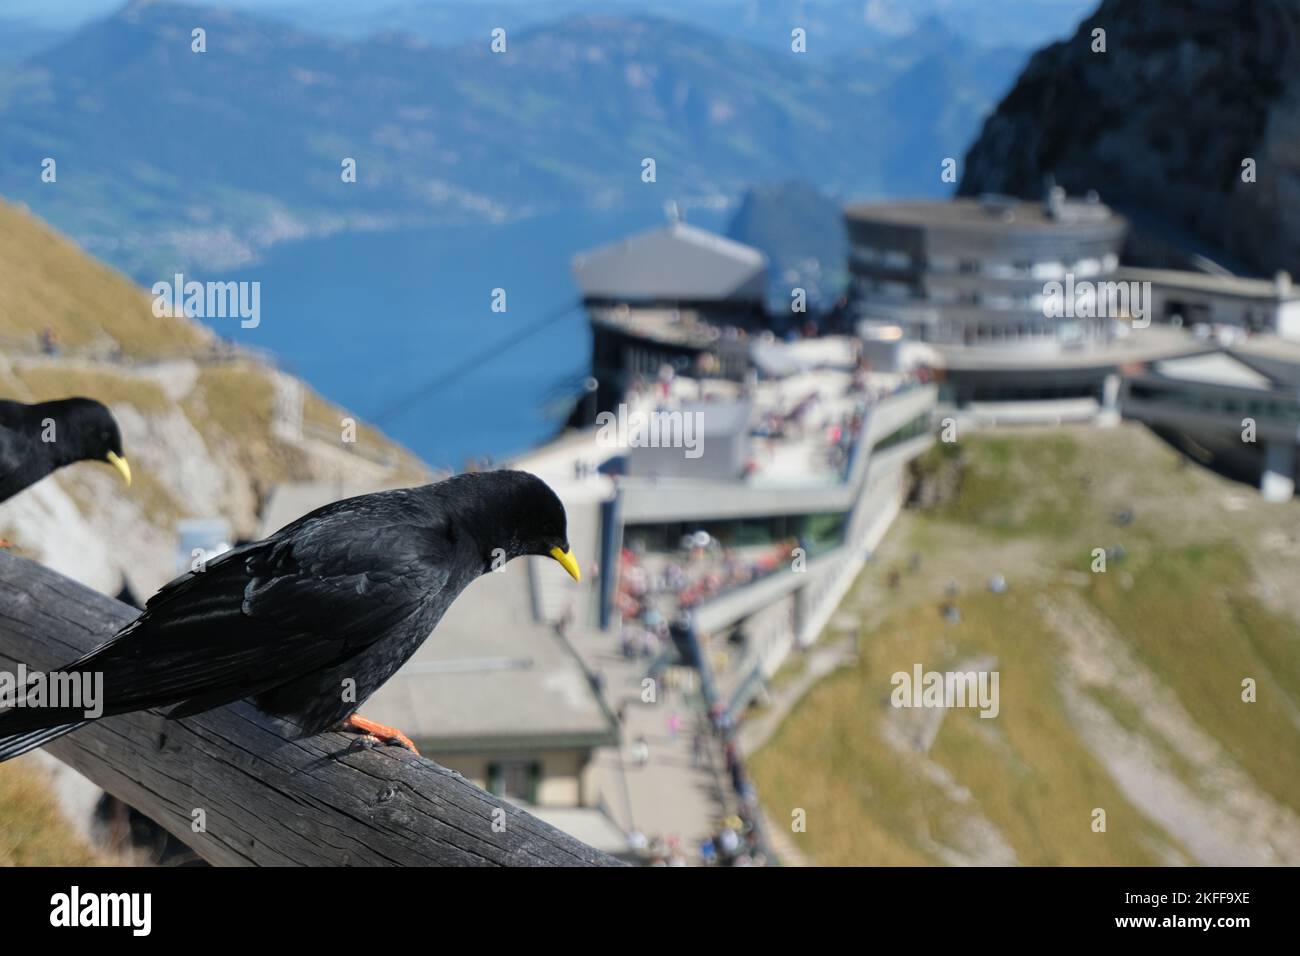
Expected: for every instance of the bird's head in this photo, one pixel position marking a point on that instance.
(85, 430)
(512, 514)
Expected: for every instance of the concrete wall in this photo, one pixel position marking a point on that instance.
(1288, 320)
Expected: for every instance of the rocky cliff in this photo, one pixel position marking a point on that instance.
(1161, 123)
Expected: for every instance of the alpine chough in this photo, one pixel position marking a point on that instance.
(37, 439)
(309, 622)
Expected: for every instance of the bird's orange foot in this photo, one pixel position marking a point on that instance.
(379, 732)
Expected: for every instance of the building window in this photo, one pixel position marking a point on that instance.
(514, 779)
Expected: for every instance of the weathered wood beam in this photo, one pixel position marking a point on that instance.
(264, 798)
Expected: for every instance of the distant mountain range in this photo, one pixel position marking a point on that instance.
(832, 25)
(170, 159)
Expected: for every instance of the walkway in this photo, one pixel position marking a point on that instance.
(670, 795)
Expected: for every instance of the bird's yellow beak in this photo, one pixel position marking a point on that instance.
(568, 562)
(118, 462)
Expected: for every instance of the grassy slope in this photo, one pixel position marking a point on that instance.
(47, 282)
(1184, 599)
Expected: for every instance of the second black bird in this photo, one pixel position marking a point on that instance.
(37, 439)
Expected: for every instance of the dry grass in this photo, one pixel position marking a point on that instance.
(47, 282)
(1191, 618)
(870, 802)
(33, 832)
(45, 383)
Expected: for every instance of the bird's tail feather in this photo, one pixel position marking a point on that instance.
(19, 743)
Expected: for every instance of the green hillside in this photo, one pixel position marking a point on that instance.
(1119, 690)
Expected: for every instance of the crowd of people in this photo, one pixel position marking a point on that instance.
(735, 843)
(737, 838)
(701, 569)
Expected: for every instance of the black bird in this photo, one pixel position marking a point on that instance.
(37, 439)
(309, 622)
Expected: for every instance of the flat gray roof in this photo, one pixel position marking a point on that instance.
(673, 262)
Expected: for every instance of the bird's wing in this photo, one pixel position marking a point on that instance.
(263, 614)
